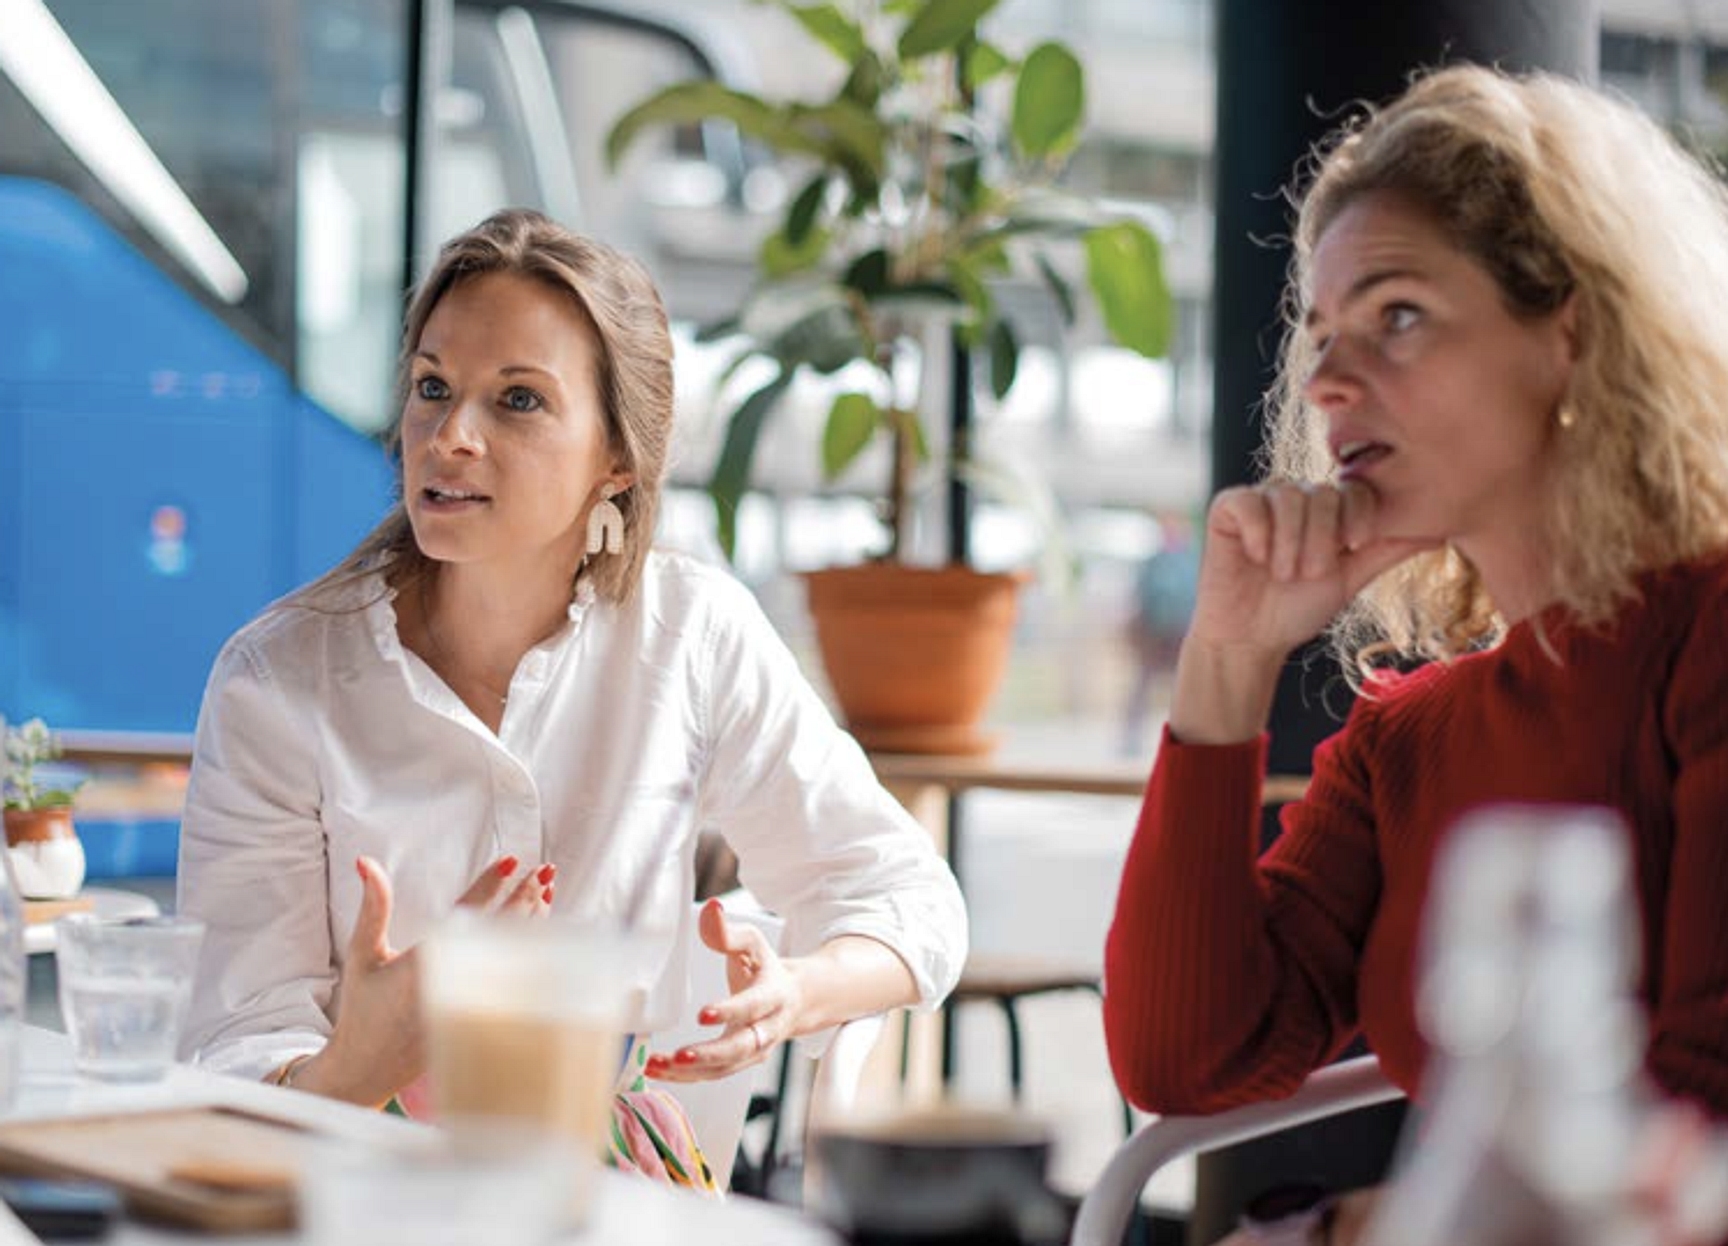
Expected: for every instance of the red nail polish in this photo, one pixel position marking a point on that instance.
(546, 895)
(507, 867)
(547, 873)
(360, 868)
(709, 1016)
(685, 1057)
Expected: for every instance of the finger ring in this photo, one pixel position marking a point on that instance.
(757, 1035)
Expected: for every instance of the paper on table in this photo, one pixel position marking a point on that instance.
(12, 1230)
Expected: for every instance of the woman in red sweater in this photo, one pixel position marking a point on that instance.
(1500, 445)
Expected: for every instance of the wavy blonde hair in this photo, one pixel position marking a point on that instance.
(1555, 190)
(633, 371)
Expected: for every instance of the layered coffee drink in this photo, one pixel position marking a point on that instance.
(552, 1071)
(524, 1031)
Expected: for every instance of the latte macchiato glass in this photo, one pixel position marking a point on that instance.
(524, 1024)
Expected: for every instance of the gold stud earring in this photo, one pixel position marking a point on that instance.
(1566, 417)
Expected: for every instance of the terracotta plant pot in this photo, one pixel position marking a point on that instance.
(46, 853)
(914, 654)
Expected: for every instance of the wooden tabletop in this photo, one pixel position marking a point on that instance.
(95, 748)
(956, 774)
(627, 1209)
(959, 774)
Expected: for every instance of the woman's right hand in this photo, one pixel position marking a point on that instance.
(378, 1045)
(1280, 561)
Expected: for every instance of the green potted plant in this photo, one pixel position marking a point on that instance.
(46, 855)
(931, 174)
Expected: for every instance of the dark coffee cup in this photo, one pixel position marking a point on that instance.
(941, 1175)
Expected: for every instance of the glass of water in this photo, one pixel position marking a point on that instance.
(124, 988)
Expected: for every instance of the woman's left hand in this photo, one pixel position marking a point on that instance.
(761, 1012)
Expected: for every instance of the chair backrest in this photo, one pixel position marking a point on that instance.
(1108, 1205)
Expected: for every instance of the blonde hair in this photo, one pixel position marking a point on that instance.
(1557, 191)
(633, 373)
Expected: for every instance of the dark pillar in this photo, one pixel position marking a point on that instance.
(1288, 70)
(425, 74)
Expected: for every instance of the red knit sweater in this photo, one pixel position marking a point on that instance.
(1229, 980)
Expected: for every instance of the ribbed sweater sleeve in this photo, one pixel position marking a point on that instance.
(1688, 1053)
(1228, 980)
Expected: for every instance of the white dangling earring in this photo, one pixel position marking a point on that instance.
(606, 523)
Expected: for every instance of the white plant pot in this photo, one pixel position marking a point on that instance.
(51, 869)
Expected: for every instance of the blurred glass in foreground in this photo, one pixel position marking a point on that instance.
(1542, 1122)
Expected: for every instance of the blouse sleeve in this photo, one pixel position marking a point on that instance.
(253, 867)
(1688, 1054)
(1229, 979)
(819, 840)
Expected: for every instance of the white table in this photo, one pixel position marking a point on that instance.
(110, 902)
(630, 1210)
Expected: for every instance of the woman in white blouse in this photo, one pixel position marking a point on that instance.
(503, 697)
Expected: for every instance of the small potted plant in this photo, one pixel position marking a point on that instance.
(47, 857)
(934, 174)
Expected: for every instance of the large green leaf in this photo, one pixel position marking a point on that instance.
(941, 25)
(989, 256)
(984, 61)
(1004, 358)
(732, 471)
(844, 132)
(1125, 268)
(838, 33)
(864, 84)
(965, 183)
(939, 296)
(687, 102)
(1049, 101)
(826, 341)
(805, 323)
(802, 214)
(852, 422)
(969, 284)
(907, 422)
(1048, 214)
(868, 274)
(781, 257)
(1058, 285)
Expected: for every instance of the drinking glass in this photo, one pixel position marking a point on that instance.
(124, 988)
(525, 1024)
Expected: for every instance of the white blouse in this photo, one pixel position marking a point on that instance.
(321, 738)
